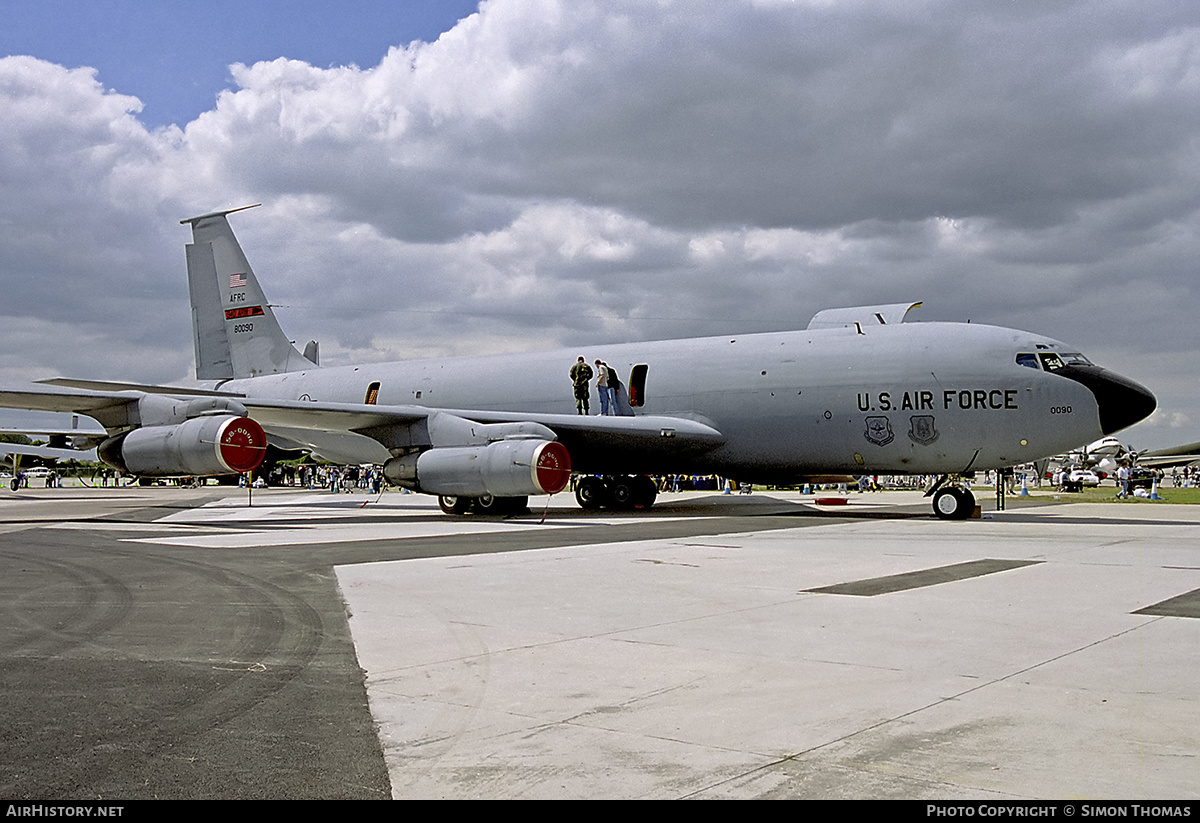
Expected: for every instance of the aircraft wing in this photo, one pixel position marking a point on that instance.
(1170, 458)
(620, 445)
(355, 432)
(361, 433)
(87, 455)
(56, 399)
(148, 388)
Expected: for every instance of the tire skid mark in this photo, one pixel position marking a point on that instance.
(279, 637)
(79, 605)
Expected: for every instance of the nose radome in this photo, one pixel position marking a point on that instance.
(1122, 402)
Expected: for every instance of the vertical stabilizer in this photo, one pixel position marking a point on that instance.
(236, 332)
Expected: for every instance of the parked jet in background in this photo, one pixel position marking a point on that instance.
(857, 392)
(1168, 458)
(1107, 453)
(1103, 456)
(74, 443)
(9, 450)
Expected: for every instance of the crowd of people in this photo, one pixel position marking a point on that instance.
(1187, 477)
(347, 479)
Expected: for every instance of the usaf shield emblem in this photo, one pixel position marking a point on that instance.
(879, 431)
(922, 430)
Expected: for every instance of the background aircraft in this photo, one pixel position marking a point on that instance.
(858, 391)
(64, 444)
(1168, 458)
(1106, 454)
(1102, 456)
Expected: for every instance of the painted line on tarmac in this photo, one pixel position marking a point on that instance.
(1184, 605)
(922, 578)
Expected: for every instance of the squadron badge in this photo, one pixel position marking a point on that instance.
(879, 431)
(922, 431)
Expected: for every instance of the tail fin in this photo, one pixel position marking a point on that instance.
(236, 332)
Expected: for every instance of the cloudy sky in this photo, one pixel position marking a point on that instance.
(444, 178)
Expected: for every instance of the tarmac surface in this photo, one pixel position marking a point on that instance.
(176, 643)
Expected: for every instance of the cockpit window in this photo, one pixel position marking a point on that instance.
(1051, 361)
(1076, 359)
(1029, 360)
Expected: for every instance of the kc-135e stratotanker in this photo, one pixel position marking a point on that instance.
(858, 391)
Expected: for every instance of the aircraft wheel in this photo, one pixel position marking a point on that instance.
(452, 504)
(644, 492)
(14, 484)
(591, 493)
(488, 504)
(624, 492)
(514, 505)
(953, 503)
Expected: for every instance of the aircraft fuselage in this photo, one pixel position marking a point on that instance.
(918, 398)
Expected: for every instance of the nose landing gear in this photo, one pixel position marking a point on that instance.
(953, 503)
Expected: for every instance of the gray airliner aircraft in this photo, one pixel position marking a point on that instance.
(858, 391)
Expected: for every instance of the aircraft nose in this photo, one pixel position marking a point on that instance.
(1122, 402)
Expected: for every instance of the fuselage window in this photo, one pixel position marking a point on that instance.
(372, 393)
(1029, 360)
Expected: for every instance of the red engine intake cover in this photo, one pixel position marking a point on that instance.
(242, 445)
(552, 469)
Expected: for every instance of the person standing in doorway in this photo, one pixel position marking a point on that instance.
(614, 391)
(602, 387)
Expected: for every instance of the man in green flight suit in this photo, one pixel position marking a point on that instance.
(581, 374)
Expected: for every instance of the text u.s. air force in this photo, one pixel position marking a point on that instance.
(924, 399)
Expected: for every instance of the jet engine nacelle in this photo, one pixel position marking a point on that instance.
(506, 468)
(202, 446)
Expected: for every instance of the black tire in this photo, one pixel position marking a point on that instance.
(487, 504)
(452, 504)
(645, 490)
(591, 493)
(512, 505)
(953, 503)
(623, 491)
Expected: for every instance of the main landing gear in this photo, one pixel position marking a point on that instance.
(487, 504)
(623, 492)
(952, 502)
(619, 492)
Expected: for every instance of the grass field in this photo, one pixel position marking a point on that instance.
(1108, 494)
